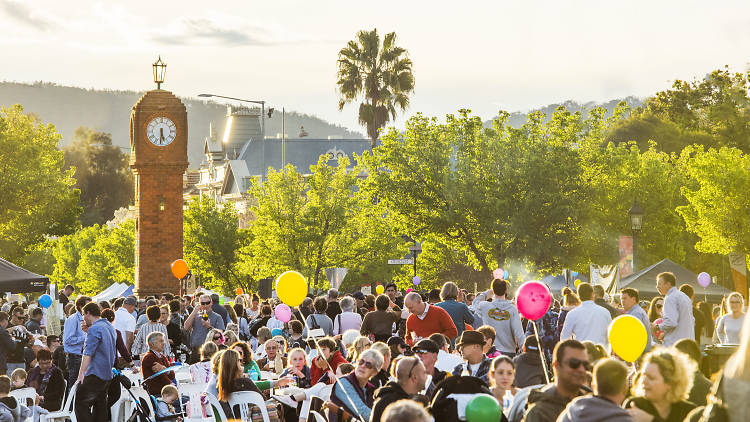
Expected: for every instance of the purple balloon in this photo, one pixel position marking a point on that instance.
(498, 273)
(704, 279)
(533, 300)
(283, 313)
(416, 280)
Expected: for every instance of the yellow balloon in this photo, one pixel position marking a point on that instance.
(577, 282)
(291, 287)
(379, 289)
(628, 337)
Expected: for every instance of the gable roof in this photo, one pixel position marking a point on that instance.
(236, 178)
(645, 281)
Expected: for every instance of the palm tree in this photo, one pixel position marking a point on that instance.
(380, 73)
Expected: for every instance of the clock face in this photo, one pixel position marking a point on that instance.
(161, 131)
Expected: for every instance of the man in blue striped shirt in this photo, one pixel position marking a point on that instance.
(95, 373)
(73, 339)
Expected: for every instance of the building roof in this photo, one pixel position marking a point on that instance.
(301, 153)
(237, 180)
(645, 281)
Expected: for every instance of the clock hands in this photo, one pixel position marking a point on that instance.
(161, 135)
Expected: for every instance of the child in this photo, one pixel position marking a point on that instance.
(164, 406)
(18, 379)
(10, 409)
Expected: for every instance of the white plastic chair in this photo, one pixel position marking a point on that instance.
(27, 397)
(67, 411)
(143, 397)
(182, 375)
(244, 400)
(318, 417)
(217, 409)
(194, 392)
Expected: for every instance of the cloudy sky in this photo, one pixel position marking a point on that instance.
(480, 55)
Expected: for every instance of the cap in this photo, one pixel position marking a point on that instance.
(397, 340)
(531, 344)
(470, 337)
(425, 346)
(359, 295)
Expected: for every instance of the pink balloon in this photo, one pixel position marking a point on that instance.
(704, 279)
(283, 313)
(498, 273)
(533, 300)
(408, 290)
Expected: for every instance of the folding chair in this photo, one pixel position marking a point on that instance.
(67, 411)
(243, 402)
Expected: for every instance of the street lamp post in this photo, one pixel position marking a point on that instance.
(160, 68)
(262, 108)
(635, 214)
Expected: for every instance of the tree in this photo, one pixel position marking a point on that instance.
(379, 73)
(213, 243)
(496, 195)
(718, 205)
(67, 251)
(109, 260)
(102, 174)
(320, 221)
(38, 197)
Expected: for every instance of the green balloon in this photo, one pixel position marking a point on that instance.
(483, 408)
(221, 300)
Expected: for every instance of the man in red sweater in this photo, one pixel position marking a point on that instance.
(426, 320)
(154, 361)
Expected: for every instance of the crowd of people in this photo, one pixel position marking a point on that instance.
(391, 357)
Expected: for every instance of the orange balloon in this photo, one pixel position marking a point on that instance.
(238, 291)
(179, 268)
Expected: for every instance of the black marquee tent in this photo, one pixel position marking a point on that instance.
(645, 281)
(14, 279)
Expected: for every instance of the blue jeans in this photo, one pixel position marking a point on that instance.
(73, 362)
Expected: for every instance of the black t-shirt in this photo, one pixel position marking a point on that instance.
(677, 413)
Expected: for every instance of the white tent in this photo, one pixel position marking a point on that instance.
(111, 292)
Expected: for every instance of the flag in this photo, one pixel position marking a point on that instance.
(737, 263)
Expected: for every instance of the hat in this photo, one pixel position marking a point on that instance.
(531, 344)
(425, 346)
(470, 337)
(359, 295)
(396, 340)
(130, 301)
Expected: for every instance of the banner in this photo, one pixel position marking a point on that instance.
(738, 265)
(626, 255)
(607, 276)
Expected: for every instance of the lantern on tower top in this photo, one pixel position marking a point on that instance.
(160, 69)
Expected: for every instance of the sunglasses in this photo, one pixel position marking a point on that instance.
(205, 303)
(368, 364)
(217, 338)
(574, 363)
(416, 362)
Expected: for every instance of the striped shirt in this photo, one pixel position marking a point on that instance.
(140, 345)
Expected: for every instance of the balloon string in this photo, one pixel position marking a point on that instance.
(320, 353)
(541, 352)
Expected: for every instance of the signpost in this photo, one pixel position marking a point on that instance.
(400, 261)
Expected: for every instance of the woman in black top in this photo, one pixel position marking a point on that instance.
(662, 387)
(230, 379)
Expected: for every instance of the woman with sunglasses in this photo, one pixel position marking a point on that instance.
(730, 324)
(354, 393)
(654, 311)
(662, 386)
(217, 337)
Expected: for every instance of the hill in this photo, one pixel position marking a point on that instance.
(109, 111)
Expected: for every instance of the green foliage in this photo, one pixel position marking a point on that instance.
(380, 73)
(102, 174)
(212, 245)
(37, 195)
(95, 257)
(319, 221)
(718, 204)
(491, 195)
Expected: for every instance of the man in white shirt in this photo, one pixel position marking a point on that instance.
(124, 320)
(677, 315)
(588, 321)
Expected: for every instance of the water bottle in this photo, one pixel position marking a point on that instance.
(254, 374)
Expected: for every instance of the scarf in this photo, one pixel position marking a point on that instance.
(33, 381)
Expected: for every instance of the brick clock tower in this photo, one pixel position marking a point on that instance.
(158, 140)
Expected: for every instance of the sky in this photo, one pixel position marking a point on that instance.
(485, 56)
